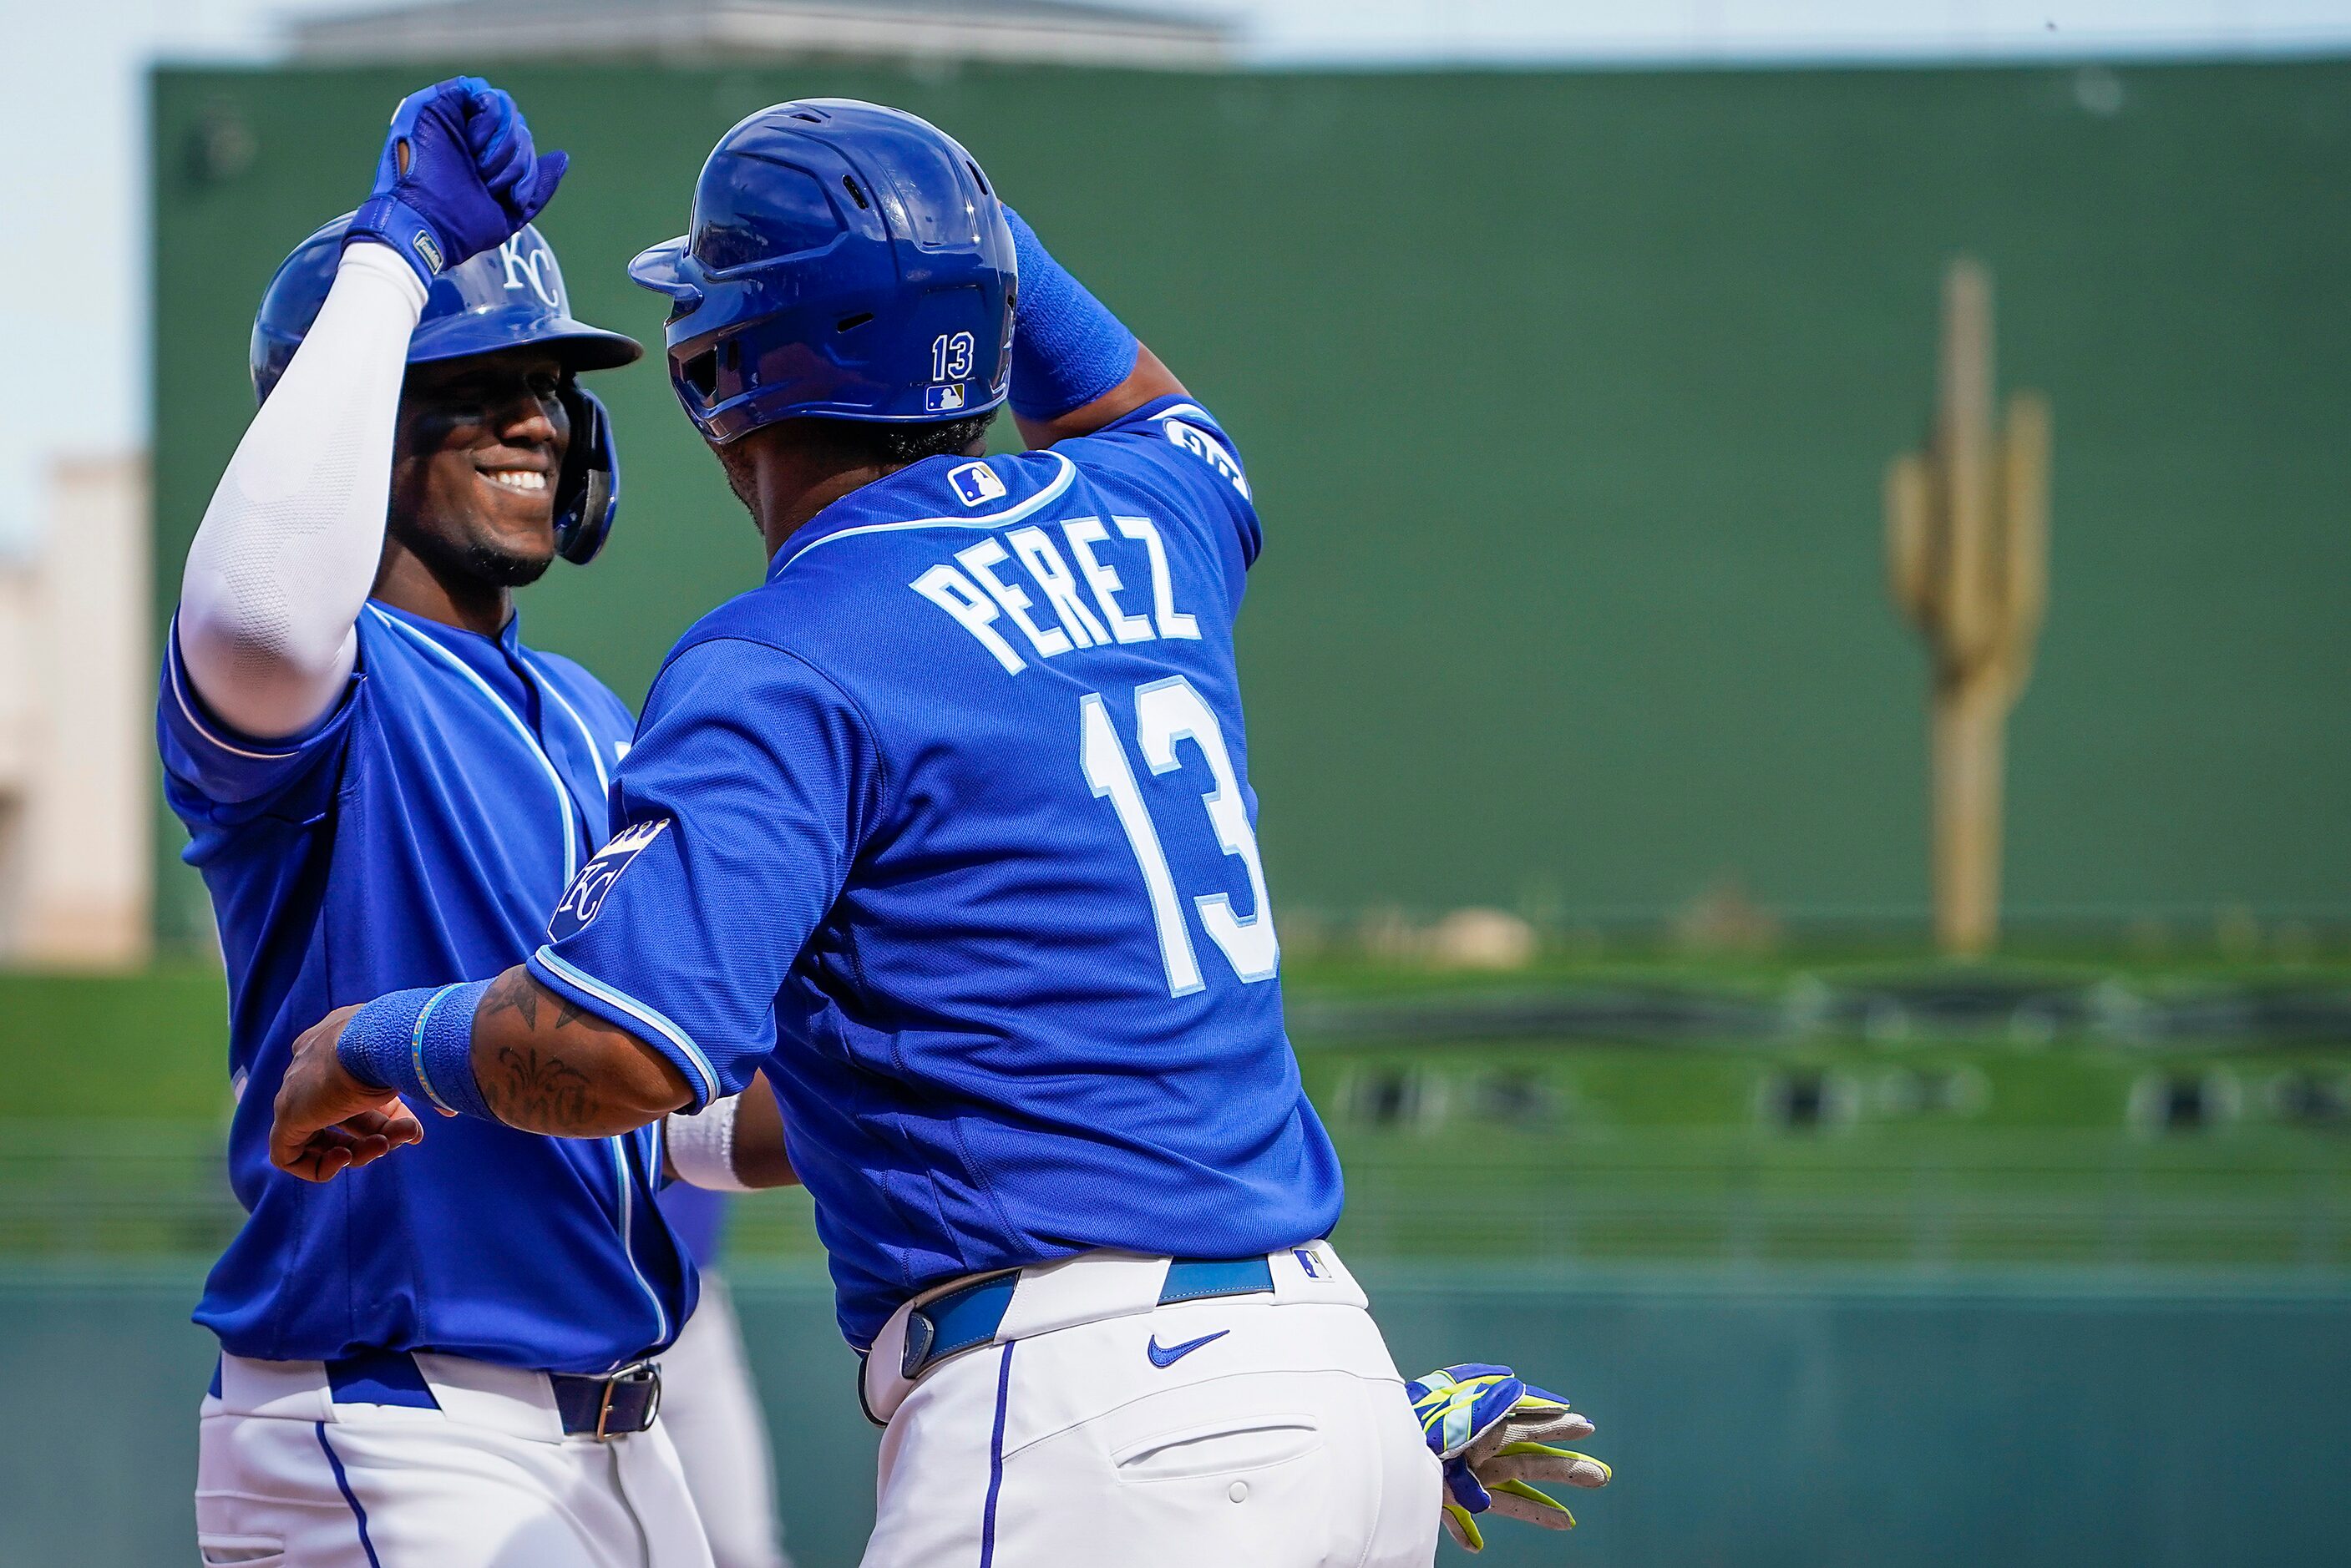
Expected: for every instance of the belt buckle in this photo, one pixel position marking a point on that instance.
(921, 1331)
(635, 1373)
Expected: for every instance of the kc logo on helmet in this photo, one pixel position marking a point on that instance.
(585, 897)
(525, 270)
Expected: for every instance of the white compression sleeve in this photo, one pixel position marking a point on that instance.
(288, 548)
(702, 1148)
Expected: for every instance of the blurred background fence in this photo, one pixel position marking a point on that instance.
(1593, 1137)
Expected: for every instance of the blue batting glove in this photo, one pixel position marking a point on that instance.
(458, 176)
(1492, 1430)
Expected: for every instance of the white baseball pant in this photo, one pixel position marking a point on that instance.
(1280, 1440)
(711, 1411)
(287, 1477)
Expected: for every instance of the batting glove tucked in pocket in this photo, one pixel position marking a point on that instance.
(1494, 1431)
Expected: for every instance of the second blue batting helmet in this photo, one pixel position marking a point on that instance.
(845, 261)
(509, 297)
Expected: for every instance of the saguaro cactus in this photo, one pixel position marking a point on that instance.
(1967, 536)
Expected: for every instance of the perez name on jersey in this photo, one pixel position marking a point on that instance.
(981, 587)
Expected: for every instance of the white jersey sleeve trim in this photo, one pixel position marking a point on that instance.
(196, 718)
(637, 1010)
(289, 545)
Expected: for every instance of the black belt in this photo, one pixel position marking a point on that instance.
(608, 1404)
(608, 1407)
(969, 1315)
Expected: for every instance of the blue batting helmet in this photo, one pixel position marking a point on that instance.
(503, 299)
(845, 261)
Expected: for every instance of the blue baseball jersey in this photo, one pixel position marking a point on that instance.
(415, 836)
(948, 825)
(697, 1216)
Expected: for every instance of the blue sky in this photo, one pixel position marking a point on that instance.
(74, 378)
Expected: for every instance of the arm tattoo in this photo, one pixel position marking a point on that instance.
(540, 1092)
(547, 1064)
(510, 992)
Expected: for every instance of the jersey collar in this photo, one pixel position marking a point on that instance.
(456, 637)
(906, 499)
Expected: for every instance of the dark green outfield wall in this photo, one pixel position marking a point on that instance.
(1567, 399)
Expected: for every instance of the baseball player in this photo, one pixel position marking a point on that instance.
(444, 1361)
(710, 1405)
(946, 827)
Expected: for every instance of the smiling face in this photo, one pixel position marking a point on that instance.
(475, 465)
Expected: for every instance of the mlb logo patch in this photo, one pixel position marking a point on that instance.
(976, 484)
(585, 897)
(945, 399)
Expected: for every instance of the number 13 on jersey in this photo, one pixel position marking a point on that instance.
(1167, 713)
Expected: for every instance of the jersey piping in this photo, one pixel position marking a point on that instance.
(619, 1143)
(562, 796)
(571, 870)
(644, 1015)
(595, 754)
(1045, 497)
(194, 717)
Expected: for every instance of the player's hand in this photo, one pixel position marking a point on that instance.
(1494, 1433)
(458, 175)
(327, 1120)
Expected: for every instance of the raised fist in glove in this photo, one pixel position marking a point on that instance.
(1495, 1432)
(458, 176)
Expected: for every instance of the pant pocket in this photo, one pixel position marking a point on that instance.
(1246, 1488)
(240, 1550)
(1231, 1447)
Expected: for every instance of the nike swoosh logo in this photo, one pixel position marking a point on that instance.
(1169, 1356)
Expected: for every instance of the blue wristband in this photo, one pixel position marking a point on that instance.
(419, 1044)
(1067, 347)
(403, 229)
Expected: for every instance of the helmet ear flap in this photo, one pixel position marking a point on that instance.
(588, 493)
